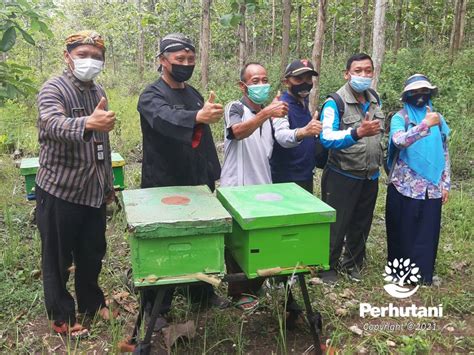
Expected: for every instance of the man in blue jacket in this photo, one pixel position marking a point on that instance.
(297, 164)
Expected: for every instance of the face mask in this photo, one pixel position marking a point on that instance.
(419, 100)
(86, 69)
(302, 90)
(258, 93)
(360, 83)
(181, 73)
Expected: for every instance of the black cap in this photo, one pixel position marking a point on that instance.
(174, 42)
(298, 67)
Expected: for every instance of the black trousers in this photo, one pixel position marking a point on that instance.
(305, 184)
(70, 233)
(354, 202)
(413, 228)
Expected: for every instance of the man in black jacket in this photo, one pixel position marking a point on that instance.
(178, 149)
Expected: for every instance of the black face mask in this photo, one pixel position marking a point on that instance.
(181, 73)
(419, 100)
(301, 88)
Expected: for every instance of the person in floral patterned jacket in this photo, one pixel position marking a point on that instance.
(419, 180)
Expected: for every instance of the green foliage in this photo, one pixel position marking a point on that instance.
(23, 17)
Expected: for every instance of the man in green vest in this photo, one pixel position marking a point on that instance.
(352, 131)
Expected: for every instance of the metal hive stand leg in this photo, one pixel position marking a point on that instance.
(314, 319)
(144, 347)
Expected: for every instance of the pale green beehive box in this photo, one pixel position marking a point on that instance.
(174, 232)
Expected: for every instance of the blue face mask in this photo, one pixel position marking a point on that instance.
(258, 93)
(360, 83)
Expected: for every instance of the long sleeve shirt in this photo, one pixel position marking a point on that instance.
(406, 180)
(69, 165)
(176, 150)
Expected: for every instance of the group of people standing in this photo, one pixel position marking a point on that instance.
(264, 144)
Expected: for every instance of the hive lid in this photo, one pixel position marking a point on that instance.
(174, 211)
(275, 205)
(117, 160)
(29, 166)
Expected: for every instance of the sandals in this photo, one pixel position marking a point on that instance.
(76, 331)
(247, 303)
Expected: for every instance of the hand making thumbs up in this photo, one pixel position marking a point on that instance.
(313, 128)
(431, 118)
(101, 120)
(211, 112)
(277, 108)
(368, 128)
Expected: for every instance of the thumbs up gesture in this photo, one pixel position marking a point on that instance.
(211, 112)
(368, 128)
(313, 128)
(277, 108)
(101, 120)
(431, 118)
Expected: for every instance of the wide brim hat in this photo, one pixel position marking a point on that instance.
(419, 81)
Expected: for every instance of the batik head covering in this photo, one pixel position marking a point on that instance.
(85, 37)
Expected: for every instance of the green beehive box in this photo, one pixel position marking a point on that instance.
(117, 167)
(277, 226)
(175, 232)
(29, 167)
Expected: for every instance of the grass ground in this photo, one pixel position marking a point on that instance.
(24, 328)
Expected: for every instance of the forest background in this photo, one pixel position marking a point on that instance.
(404, 36)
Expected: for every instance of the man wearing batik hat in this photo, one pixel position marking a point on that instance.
(74, 183)
(178, 149)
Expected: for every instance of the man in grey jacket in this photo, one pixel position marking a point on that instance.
(352, 131)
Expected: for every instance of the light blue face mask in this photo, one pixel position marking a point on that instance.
(259, 93)
(360, 83)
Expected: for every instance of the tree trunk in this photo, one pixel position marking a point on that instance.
(141, 41)
(398, 28)
(443, 22)
(272, 43)
(205, 42)
(462, 23)
(333, 34)
(285, 43)
(378, 43)
(363, 25)
(454, 30)
(242, 37)
(426, 10)
(317, 53)
(254, 37)
(298, 32)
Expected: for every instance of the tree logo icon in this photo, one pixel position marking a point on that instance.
(401, 272)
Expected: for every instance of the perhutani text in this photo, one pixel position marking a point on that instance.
(366, 310)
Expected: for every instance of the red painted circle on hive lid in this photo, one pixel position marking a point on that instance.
(175, 200)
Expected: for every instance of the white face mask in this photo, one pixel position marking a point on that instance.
(86, 69)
